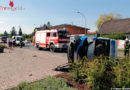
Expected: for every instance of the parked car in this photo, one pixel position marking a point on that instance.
(91, 47)
(27, 41)
(3, 39)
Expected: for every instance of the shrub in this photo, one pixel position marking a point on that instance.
(102, 74)
(122, 73)
(3, 46)
(50, 83)
(115, 36)
(22, 85)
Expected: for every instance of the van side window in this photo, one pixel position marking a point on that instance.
(48, 34)
(55, 34)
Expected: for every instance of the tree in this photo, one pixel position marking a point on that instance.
(106, 17)
(48, 24)
(5, 33)
(13, 32)
(20, 31)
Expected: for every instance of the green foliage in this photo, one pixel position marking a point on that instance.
(115, 36)
(27, 36)
(22, 85)
(122, 73)
(106, 17)
(20, 31)
(5, 33)
(3, 46)
(50, 83)
(102, 74)
(13, 32)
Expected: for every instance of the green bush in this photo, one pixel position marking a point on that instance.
(102, 74)
(22, 85)
(50, 83)
(115, 36)
(3, 46)
(122, 73)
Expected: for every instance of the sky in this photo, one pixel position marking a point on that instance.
(38, 12)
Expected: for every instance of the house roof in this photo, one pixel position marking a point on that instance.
(115, 26)
(63, 25)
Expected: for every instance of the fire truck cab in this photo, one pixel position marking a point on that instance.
(51, 39)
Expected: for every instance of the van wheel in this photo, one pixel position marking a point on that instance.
(52, 48)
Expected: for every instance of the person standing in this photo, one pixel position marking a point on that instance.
(126, 48)
(21, 43)
(14, 42)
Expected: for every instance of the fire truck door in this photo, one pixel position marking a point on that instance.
(43, 38)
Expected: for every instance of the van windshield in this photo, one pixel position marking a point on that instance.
(63, 33)
(19, 38)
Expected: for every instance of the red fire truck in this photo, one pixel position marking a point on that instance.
(51, 39)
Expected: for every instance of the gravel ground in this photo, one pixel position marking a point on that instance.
(19, 65)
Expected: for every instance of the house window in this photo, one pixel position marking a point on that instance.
(48, 34)
(55, 34)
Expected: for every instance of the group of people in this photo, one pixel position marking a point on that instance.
(12, 43)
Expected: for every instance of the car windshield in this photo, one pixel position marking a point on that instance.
(63, 33)
(4, 37)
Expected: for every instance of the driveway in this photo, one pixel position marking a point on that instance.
(20, 65)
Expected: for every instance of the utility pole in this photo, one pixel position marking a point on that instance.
(84, 20)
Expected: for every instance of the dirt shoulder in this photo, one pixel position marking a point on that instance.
(27, 65)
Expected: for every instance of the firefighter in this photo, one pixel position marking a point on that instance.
(127, 47)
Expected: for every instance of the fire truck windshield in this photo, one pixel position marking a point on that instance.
(63, 34)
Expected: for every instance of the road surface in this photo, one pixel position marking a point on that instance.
(28, 64)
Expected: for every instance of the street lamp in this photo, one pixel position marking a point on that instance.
(84, 19)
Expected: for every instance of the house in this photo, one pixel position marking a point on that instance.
(116, 26)
(72, 29)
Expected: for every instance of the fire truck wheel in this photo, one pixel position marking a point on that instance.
(52, 48)
(39, 48)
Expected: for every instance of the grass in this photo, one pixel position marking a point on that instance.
(50, 83)
(120, 50)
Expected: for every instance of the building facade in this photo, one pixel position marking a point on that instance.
(72, 29)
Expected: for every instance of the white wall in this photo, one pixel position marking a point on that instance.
(120, 44)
